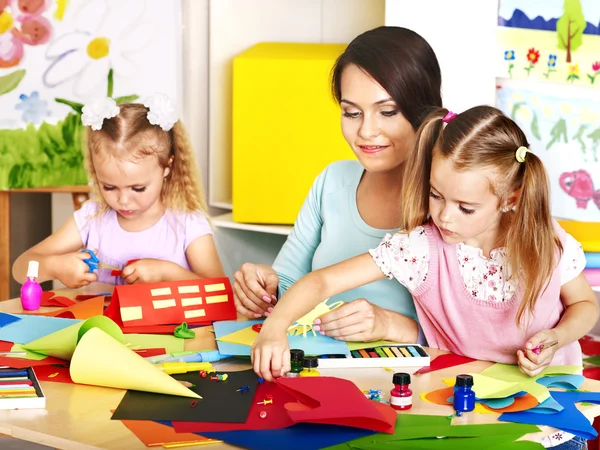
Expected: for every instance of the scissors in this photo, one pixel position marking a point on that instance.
(94, 263)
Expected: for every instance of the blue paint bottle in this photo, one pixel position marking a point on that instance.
(464, 397)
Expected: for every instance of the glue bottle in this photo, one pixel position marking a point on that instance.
(296, 357)
(464, 397)
(31, 291)
(310, 364)
(401, 395)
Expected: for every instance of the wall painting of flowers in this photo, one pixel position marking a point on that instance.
(55, 55)
(548, 80)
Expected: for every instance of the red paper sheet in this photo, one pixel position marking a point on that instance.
(443, 362)
(21, 363)
(6, 346)
(53, 300)
(148, 352)
(55, 374)
(172, 303)
(80, 310)
(589, 346)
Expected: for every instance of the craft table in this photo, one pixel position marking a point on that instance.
(77, 417)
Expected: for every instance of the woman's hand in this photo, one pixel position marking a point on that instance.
(532, 363)
(270, 353)
(255, 289)
(357, 320)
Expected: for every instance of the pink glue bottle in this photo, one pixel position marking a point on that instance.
(31, 291)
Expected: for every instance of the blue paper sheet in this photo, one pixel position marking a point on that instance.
(592, 260)
(568, 382)
(30, 328)
(313, 345)
(7, 319)
(548, 406)
(570, 419)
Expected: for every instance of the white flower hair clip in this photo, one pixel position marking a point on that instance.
(94, 113)
(162, 111)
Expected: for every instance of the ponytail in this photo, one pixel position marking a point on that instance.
(415, 181)
(182, 189)
(531, 240)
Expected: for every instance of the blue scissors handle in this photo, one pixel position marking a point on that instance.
(92, 261)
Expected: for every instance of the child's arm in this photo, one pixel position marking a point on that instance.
(270, 353)
(58, 257)
(202, 258)
(580, 316)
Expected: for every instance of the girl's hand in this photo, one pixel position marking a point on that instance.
(71, 270)
(357, 320)
(145, 270)
(270, 353)
(254, 289)
(531, 363)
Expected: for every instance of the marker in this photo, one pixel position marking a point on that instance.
(537, 350)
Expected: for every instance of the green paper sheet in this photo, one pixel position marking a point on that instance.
(473, 443)
(502, 380)
(170, 343)
(30, 355)
(595, 360)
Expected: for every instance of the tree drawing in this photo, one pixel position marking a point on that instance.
(595, 138)
(579, 137)
(570, 27)
(558, 130)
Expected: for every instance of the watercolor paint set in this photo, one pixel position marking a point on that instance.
(20, 389)
(409, 355)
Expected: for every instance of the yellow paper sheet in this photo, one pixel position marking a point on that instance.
(60, 344)
(245, 336)
(30, 355)
(361, 345)
(170, 343)
(100, 360)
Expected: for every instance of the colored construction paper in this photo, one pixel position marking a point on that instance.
(220, 400)
(548, 406)
(592, 260)
(140, 341)
(334, 401)
(53, 373)
(236, 338)
(6, 346)
(149, 352)
(53, 300)
(303, 436)
(79, 310)
(21, 363)
(453, 443)
(593, 373)
(100, 360)
(30, 328)
(173, 302)
(502, 380)
(150, 329)
(28, 354)
(444, 361)
(445, 397)
(412, 427)
(7, 319)
(589, 346)
(60, 344)
(595, 360)
(570, 419)
(153, 434)
(568, 382)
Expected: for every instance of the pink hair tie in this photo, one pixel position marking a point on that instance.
(449, 117)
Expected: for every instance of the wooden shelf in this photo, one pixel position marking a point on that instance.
(226, 221)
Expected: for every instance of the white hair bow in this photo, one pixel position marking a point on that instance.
(162, 111)
(94, 113)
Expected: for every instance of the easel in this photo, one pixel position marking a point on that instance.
(80, 195)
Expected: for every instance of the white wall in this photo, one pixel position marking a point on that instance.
(463, 35)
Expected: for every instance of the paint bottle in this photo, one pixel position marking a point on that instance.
(401, 395)
(296, 357)
(464, 397)
(310, 364)
(31, 291)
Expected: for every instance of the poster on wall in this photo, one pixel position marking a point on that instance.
(549, 40)
(56, 55)
(562, 125)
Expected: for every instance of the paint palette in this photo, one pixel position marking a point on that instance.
(409, 355)
(20, 389)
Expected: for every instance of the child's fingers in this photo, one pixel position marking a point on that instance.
(90, 277)
(537, 339)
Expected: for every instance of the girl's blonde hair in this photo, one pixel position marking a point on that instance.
(130, 135)
(483, 137)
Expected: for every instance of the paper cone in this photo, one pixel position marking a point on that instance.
(60, 344)
(100, 360)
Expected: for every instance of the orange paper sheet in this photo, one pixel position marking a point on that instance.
(81, 310)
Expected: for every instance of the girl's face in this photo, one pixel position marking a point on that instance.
(132, 188)
(463, 206)
(377, 132)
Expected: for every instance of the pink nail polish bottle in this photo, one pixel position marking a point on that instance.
(31, 291)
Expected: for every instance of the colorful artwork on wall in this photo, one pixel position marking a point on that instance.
(562, 124)
(55, 55)
(550, 40)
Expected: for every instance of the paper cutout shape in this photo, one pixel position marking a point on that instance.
(236, 338)
(173, 302)
(7, 319)
(220, 401)
(444, 361)
(100, 360)
(79, 310)
(306, 322)
(444, 396)
(570, 419)
(502, 380)
(30, 328)
(49, 298)
(335, 401)
(568, 382)
(548, 406)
